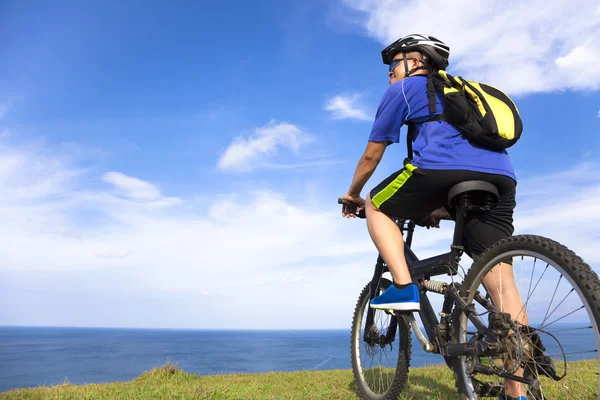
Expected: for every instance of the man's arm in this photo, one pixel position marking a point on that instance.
(366, 166)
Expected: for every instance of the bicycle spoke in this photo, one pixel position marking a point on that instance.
(577, 377)
(529, 294)
(551, 300)
(564, 316)
(573, 369)
(568, 330)
(556, 308)
(521, 280)
(573, 352)
(380, 376)
(568, 369)
(582, 382)
(536, 364)
(531, 278)
(571, 376)
(537, 375)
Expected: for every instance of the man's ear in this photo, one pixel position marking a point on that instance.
(415, 63)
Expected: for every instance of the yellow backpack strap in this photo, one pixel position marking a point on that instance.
(445, 76)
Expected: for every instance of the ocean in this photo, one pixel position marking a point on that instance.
(34, 356)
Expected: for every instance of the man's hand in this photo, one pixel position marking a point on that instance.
(433, 219)
(351, 205)
(429, 222)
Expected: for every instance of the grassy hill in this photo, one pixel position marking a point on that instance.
(168, 382)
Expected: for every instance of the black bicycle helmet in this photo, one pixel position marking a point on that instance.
(435, 52)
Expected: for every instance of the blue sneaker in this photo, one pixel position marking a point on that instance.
(406, 299)
(512, 398)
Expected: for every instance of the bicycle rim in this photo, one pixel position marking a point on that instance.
(555, 299)
(380, 370)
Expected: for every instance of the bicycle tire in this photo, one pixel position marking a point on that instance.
(583, 279)
(400, 374)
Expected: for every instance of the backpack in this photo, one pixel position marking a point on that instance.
(484, 114)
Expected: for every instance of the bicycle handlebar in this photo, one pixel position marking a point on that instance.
(352, 208)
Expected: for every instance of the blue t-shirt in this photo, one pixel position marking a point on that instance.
(438, 144)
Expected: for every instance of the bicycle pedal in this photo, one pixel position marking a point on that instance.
(402, 313)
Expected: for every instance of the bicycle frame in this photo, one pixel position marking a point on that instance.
(437, 331)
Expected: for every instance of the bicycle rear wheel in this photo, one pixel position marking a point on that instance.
(380, 352)
(554, 337)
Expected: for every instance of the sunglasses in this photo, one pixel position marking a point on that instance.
(395, 63)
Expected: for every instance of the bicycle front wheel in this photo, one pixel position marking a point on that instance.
(380, 349)
(550, 329)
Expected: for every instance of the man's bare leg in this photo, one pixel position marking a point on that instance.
(500, 284)
(389, 242)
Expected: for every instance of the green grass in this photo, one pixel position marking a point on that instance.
(168, 382)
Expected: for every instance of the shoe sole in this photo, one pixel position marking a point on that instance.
(398, 306)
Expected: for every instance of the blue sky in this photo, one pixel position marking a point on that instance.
(177, 164)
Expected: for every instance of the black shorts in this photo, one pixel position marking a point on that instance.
(413, 193)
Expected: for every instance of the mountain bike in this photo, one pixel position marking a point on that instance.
(553, 353)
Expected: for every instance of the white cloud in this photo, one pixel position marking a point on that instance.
(132, 187)
(138, 228)
(245, 154)
(234, 253)
(519, 46)
(345, 107)
(28, 174)
(598, 115)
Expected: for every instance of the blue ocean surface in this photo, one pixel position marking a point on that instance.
(34, 356)
(30, 356)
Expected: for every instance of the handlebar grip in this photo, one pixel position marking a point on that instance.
(361, 214)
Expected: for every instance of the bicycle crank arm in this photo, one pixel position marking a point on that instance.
(428, 347)
(484, 369)
(479, 348)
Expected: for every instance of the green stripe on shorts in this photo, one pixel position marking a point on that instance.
(387, 192)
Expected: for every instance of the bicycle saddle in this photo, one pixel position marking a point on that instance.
(484, 193)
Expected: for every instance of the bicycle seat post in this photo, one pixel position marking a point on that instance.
(463, 205)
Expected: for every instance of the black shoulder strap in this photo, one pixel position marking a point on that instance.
(410, 135)
(412, 128)
(431, 93)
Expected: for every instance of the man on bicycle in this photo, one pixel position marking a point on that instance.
(441, 158)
